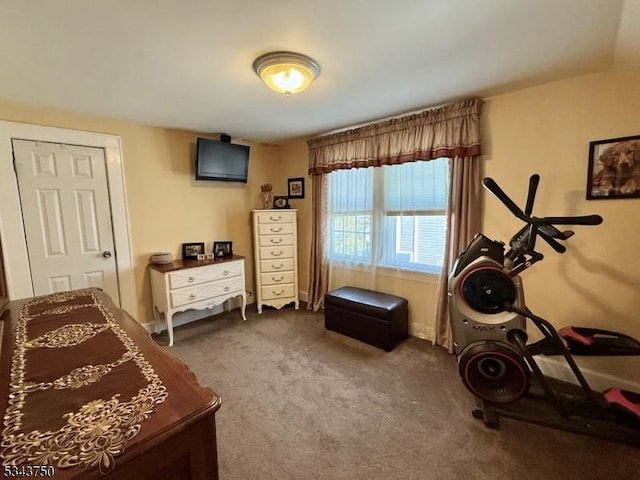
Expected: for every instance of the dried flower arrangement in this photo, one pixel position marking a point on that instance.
(265, 194)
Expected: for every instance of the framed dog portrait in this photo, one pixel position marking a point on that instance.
(614, 168)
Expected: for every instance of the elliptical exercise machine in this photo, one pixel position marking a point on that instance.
(489, 317)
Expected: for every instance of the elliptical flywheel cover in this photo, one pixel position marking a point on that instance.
(487, 289)
(494, 371)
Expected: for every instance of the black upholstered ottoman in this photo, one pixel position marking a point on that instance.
(376, 318)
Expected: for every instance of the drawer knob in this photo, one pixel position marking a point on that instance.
(276, 240)
(225, 273)
(190, 279)
(278, 293)
(192, 296)
(275, 219)
(276, 230)
(277, 267)
(278, 279)
(276, 254)
(226, 289)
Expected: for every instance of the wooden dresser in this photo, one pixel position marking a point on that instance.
(275, 239)
(94, 397)
(195, 285)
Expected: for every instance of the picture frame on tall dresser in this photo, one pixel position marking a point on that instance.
(281, 202)
(614, 168)
(191, 251)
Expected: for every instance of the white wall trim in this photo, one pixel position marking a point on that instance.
(557, 367)
(150, 327)
(303, 296)
(12, 230)
(419, 330)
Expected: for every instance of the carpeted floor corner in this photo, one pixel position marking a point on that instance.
(300, 402)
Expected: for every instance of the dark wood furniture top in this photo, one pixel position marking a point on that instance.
(4, 295)
(119, 406)
(188, 263)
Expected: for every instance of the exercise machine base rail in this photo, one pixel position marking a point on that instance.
(587, 418)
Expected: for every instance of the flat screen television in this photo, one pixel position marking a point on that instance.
(221, 161)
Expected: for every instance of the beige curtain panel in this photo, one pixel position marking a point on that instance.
(318, 265)
(450, 131)
(463, 222)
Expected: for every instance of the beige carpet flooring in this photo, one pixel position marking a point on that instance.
(300, 402)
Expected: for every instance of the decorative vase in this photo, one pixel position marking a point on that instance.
(266, 199)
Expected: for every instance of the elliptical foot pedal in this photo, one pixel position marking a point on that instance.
(597, 342)
(626, 402)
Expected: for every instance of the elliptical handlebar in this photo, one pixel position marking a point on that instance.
(490, 184)
(522, 253)
(534, 180)
(580, 220)
(558, 247)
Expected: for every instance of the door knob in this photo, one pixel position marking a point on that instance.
(106, 254)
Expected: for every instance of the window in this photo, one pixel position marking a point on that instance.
(391, 216)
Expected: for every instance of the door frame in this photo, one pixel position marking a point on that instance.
(12, 236)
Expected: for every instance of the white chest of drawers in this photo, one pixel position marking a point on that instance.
(193, 285)
(275, 239)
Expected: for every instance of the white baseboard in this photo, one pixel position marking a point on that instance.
(150, 327)
(302, 296)
(558, 368)
(421, 331)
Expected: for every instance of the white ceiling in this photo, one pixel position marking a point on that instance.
(187, 63)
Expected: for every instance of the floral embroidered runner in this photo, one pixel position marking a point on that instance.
(79, 390)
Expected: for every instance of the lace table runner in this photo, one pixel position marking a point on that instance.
(79, 389)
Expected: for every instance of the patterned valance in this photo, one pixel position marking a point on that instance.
(450, 131)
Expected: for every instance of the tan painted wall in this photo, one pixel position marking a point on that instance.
(294, 165)
(166, 205)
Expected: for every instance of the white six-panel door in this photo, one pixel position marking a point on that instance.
(67, 216)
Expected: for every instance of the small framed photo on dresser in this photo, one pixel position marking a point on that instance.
(190, 251)
(222, 249)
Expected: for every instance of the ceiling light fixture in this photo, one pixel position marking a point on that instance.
(286, 72)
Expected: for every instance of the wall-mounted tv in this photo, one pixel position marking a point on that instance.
(221, 161)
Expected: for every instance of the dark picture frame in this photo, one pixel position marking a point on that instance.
(295, 187)
(192, 250)
(281, 202)
(222, 249)
(614, 168)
